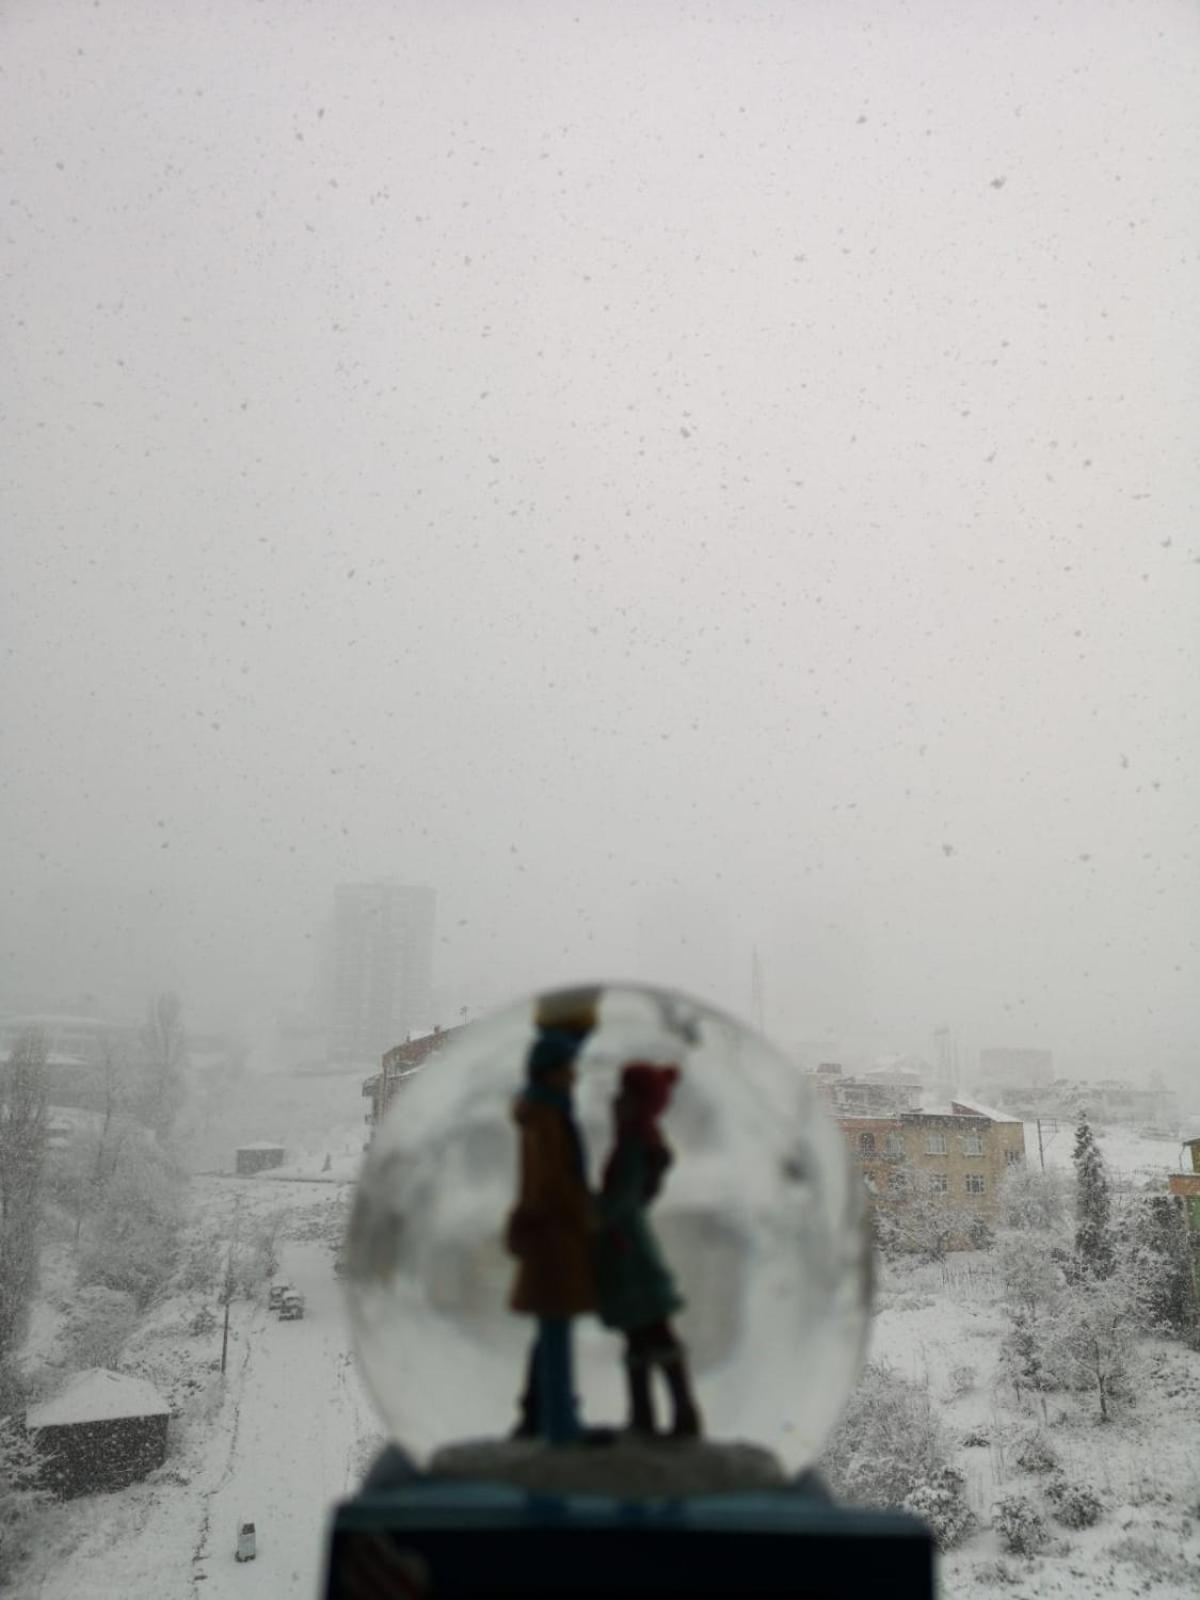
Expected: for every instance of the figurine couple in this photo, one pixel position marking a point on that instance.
(579, 1252)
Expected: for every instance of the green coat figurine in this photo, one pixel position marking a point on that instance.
(635, 1289)
(634, 1285)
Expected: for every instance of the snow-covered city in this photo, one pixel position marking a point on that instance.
(599, 799)
(1033, 1366)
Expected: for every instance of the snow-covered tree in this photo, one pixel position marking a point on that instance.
(21, 1499)
(888, 1440)
(82, 1169)
(920, 1223)
(1155, 1257)
(164, 1058)
(132, 1242)
(889, 1450)
(1093, 1205)
(941, 1502)
(1031, 1199)
(1075, 1505)
(22, 1166)
(1030, 1273)
(253, 1259)
(1091, 1341)
(97, 1325)
(1019, 1525)
(1032, 1282)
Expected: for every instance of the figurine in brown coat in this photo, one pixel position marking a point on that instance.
(549, 1230)
(550, 1233)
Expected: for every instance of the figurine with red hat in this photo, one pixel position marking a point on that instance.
(636, 1292)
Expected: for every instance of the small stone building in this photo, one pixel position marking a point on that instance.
(104, 1431)
(252, 1158)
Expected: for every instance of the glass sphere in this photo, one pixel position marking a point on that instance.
(760, 1218)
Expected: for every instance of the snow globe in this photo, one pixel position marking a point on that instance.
(609, 1274)
(743, 1327)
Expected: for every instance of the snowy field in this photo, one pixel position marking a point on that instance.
(1132, 1159)
(290, 1429)
(934, 1318)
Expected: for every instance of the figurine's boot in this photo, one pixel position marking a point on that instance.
(686, 1423)
(641, 1400)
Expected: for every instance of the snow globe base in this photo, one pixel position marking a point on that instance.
(626, 1465)
(458, 1538)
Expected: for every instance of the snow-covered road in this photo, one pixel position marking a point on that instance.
(294, 1444)
(293, 1435)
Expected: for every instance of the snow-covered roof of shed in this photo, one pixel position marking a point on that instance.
(261, 1144)
(98, 1396)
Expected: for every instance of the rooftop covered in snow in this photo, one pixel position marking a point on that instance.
(98, 1396)
(976, 1108)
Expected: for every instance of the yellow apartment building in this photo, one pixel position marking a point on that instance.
(960, 1155)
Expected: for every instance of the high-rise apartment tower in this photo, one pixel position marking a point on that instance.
(380, 960)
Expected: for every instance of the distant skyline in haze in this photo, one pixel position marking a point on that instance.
(664, 456)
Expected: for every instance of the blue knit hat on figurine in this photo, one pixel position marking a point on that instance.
(607, 1242)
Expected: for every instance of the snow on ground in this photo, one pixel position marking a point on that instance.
(299, 1426)
(311, 1117)
(292, 1430)
(933, 1318)
(1132, 1158)
(290, 1433)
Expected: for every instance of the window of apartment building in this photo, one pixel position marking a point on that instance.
(975, 1183)
(935, 1144)
(1012, 1158)
(939, 1183)
(972, 1144)
(866, 1144)
(893, 1144)
(897, 1181)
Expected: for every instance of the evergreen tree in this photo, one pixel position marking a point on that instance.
(1093, 1204)
(1156, 1258)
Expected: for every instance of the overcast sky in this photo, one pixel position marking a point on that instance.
(679, 479)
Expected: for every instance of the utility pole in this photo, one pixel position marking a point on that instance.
(228, 1292)
(1041, 1151)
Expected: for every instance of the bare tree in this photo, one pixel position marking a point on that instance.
(85, 1168)
(137, 1215)
(164, 1058)
(22, 1163)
